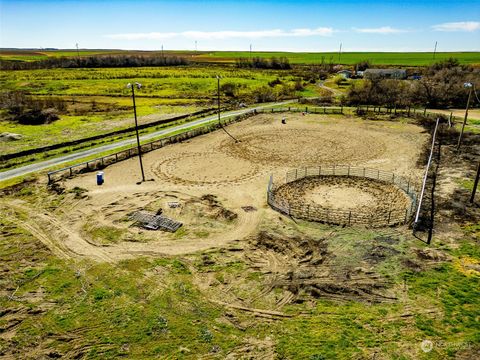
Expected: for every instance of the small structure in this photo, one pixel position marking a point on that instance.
(398, 74)
(152, 221)
(347, 74)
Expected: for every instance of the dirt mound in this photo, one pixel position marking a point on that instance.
(303, 267)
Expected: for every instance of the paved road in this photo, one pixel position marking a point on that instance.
(10, 174)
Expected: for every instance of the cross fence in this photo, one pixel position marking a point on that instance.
(314, 212)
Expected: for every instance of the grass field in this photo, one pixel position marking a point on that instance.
(84, 282)
(98, 100)
(347, 58)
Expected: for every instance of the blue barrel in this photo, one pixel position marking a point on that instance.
(100, 179)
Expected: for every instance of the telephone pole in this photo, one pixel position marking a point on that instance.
(132, 86)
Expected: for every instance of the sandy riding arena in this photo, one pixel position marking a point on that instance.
(219, 185)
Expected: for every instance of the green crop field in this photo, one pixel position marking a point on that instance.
(347, 58)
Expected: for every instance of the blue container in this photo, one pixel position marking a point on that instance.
(100, 179)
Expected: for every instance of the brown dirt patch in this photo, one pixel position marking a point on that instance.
(190, 168)
(293, 146)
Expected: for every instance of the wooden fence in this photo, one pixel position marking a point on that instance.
(313, 212)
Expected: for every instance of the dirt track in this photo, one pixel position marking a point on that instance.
(235, 174)
(360, 195)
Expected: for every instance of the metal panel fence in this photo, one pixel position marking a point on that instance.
(300, 209)
(102, 162)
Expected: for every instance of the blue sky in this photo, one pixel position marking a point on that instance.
(234, 25)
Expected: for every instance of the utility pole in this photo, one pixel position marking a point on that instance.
(218, 98)
(475, 184)
(78, 52)
(132, 86)
(250, 51)
(340, 52)
(466, 85)
(435, 50)
(218, 102)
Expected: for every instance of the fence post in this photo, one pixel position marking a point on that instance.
(306, 109)
(319, 170)
(393, 178)
(408, 186)
(378, 174)
(349, 217)
(348, 174)
(49, 180)
(296, 174)
(341, 109)
(70, 171)
(425, 112)
(363, 172)
(88, 166)
(409, 111)
(406, 215)
(389, 216)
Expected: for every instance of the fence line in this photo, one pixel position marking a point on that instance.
(314, 212)
(104, 161)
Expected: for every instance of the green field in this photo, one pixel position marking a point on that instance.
(346, 58)
(98, 100)
(349, 58)
(168, 307)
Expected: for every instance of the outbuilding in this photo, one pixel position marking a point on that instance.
(399, 74)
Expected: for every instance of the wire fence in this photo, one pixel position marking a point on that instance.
(104, 161)
(313, 212)
(407, 111)
(306, 109)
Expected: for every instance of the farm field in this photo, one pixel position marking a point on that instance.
(98, 101)
(346, 58)
(237, 277)
(350, 58)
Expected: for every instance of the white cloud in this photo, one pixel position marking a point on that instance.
(208, 35)
(457, 26)
(380, 30)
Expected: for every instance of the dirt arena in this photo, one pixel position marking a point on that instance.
(220, 184)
